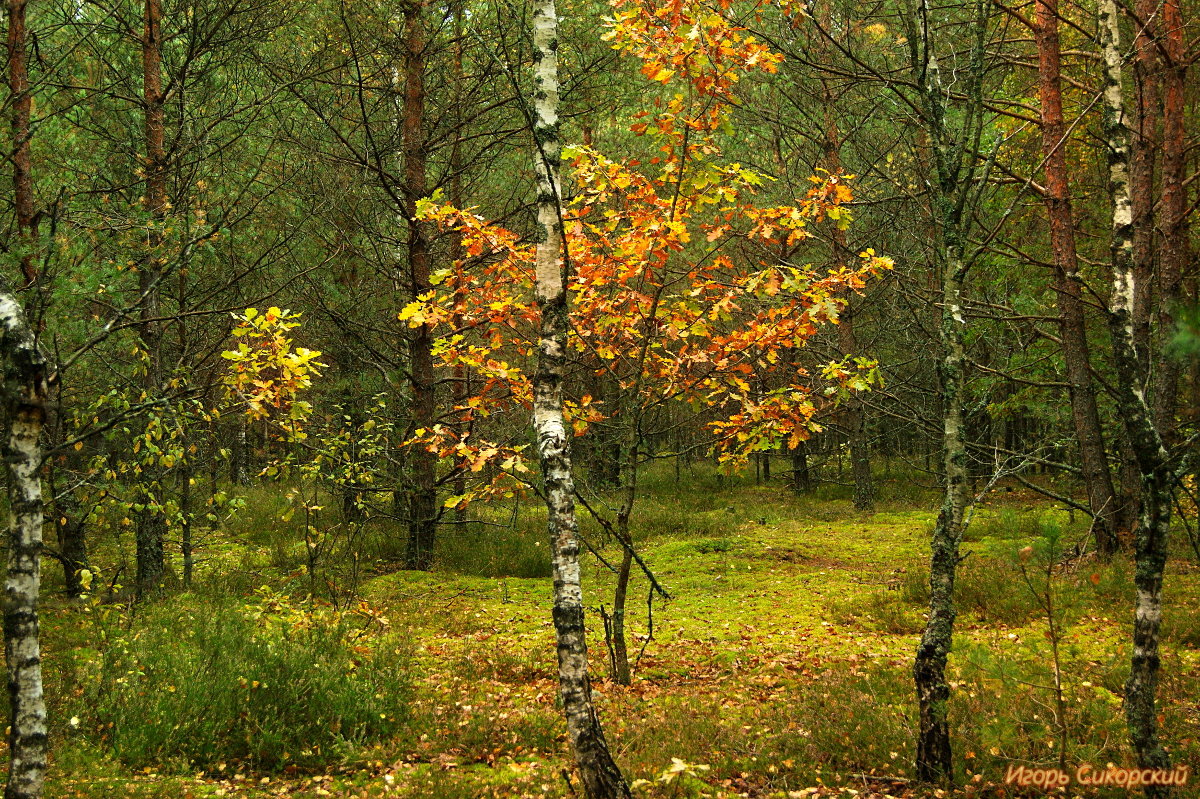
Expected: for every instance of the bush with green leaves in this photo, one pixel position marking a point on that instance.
(200, 682)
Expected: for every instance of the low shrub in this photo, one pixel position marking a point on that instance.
(200, 682)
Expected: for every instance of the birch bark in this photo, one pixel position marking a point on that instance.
(25, 392)
(1150, 542)
(599, 773)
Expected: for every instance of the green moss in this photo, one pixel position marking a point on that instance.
(788, 643)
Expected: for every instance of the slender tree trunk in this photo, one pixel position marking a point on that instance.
(239, 464)
(151, 523)
(1102, 498)
(853, 413)
(934, 756)
(25, 392)
(956, 171)
(186, 543)
(1146, 145)
(1151, 535)
(627, 474)
(461, 385)
(72, 542)
(620, 651)
(22, 108)
(600, 775)
(1176, 255)
(801, 477)
(853, 416)
(422, 500)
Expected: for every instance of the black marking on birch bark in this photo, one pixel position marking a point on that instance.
(1151, 540)
(25, 392)
(598, 772)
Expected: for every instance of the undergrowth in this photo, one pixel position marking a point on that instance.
(199, 681)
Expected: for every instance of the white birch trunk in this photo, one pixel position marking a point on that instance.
(25, 392)
(600, 776)
(1151, 538)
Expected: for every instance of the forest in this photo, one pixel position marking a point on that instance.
(624, 398)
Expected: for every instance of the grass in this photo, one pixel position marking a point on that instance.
(781, 663)
(199, 682)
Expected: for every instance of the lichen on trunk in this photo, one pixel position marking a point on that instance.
(956, 170)
(934, 755)
(601, 777)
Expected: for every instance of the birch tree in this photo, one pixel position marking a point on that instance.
(1150, 541)
(954, 150)
(24, 395)
(25, 392)
(601, 777)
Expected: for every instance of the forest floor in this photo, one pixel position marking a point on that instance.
(780, 667)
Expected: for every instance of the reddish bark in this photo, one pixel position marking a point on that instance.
(1175, 249)
(151, 524)
(422, 500)
(1072, 322)
(1144, 151)
(461, 385)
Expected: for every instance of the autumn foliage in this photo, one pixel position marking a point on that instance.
(267, 372)
(683, 287)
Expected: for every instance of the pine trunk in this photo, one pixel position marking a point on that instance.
(1145, 146)
(151, 523)
(422, 500)
(1176, 252)
(853, 416)
(22, 108)
(598, 772)
(25, 392)
(1102, 498)
(461, 384)
(1151, 536)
